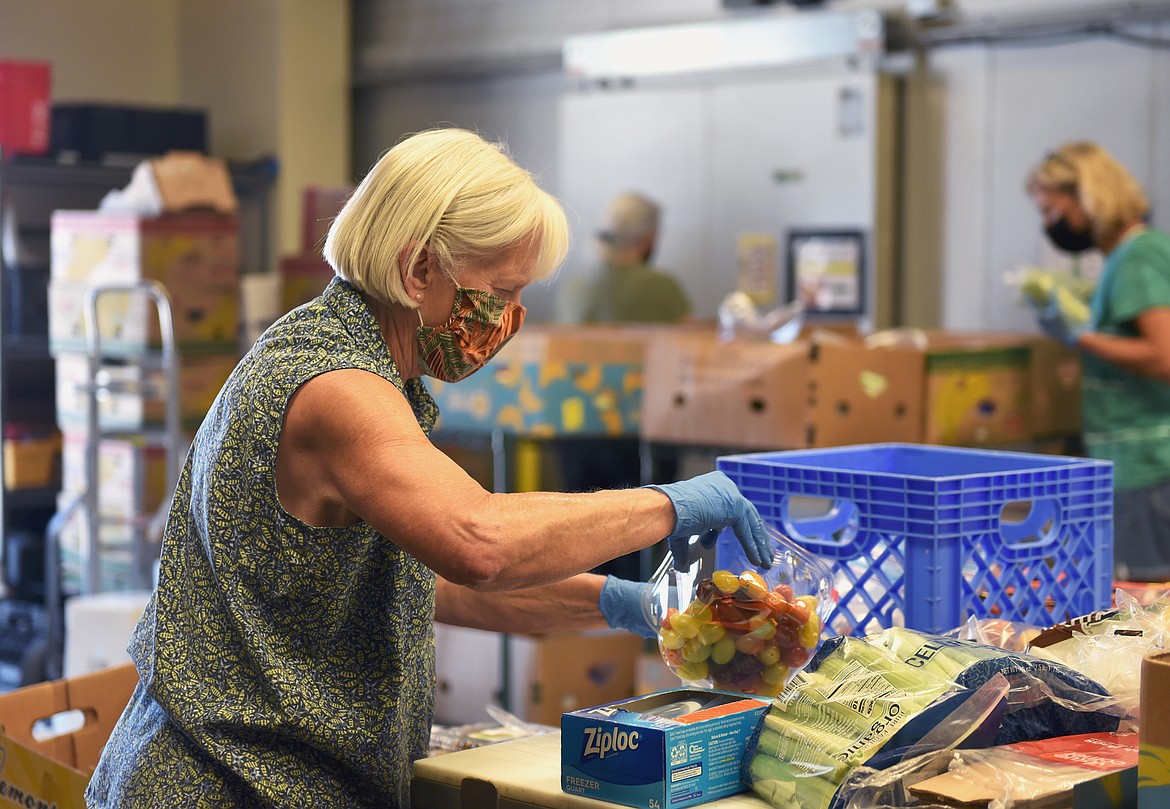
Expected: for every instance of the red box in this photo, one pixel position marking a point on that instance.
(303, 277)
(24, 107)
(319, 206)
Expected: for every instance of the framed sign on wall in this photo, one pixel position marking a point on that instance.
(826, 270)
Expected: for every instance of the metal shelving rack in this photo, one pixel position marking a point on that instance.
(30, 190)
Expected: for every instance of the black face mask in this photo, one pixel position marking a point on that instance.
(1067, 239)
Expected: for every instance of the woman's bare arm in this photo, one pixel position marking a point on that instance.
(351, 449)
(567, 606)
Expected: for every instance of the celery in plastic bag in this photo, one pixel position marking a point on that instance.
(852, 701)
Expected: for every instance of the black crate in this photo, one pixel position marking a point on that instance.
(92, 131)
(24, 629)
(26, 302)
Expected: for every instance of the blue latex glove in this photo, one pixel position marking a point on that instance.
(705, 505)
(626, 605)
(1057, 326)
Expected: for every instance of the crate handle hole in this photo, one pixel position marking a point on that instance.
(824, 520)
(1030, 523)
(61, 724)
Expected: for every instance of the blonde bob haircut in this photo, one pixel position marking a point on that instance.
(448, 190)
(1111, 197)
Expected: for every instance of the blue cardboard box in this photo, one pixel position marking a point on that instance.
(674, 748)
(548, 381)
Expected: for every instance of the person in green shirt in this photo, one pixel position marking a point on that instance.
(1088, 199)
(625, 289)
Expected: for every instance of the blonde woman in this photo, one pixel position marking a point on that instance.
(287, 656)
(1088, 199)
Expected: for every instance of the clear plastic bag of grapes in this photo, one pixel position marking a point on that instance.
(746, 629)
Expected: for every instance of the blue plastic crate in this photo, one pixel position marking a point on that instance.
(925, 536)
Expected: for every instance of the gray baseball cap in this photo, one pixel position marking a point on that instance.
(629, 217)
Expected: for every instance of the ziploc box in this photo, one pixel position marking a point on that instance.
(642, 752)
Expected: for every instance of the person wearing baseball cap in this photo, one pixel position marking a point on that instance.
(626, 289)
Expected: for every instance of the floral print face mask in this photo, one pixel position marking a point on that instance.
(481, 323)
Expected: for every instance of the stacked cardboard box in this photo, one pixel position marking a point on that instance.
(194, 256)
(54, 770)
(547, 674)
(934, 387)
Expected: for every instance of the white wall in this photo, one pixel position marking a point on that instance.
(975, 119)
(519, 110)
(413, 36)
(115, 50)
(1006, 106)
(274, 75)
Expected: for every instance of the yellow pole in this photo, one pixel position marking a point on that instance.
(528, 472)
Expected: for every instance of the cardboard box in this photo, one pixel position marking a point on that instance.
(181, 251)
(302, 278)
(54, 771)
(653, 675)
(553, 380)
(24, 107)
(119, 570)
(126, 548)
(139, 402)
(1154, 734)
(189, 180)
(132, 474)
(206, 320)
(32, 462)
(1055, 389)
(701, 390)
(548, 674)
(98, 629)
(630, 752)
(949, 388)
(977, 390)
(1075, 772)
(858, 396)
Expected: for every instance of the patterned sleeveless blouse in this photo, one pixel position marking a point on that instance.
(281, 664)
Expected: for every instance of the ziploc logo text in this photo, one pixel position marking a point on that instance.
(602, 742)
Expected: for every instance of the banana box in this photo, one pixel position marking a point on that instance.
(136, 397)
(177, 250)
(553, 381)
(38, 770)
(206, 319)
(704, 390)
(934, 387)
(131, 477)
(674, 748)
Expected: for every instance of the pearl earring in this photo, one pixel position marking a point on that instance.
(418, 297)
